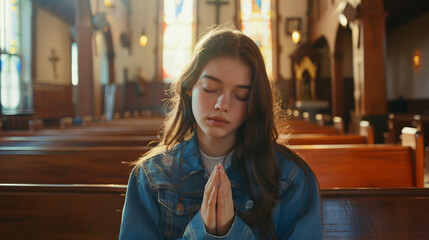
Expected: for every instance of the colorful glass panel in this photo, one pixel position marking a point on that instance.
(256, 23)
(178, 35)
(10, 51)
(10, 84)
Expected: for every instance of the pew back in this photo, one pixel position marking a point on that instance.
(78, 141)
(62, 165)
(361, 165)
(94, 212)
(376, 213)
(64, 212)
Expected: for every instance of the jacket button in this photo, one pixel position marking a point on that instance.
(249, 204)
(180, 207)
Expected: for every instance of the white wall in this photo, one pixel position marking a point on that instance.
(52, 33)
(287, 9)
(401, 77)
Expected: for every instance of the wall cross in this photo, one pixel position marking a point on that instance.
(54, 59)
(218, 4)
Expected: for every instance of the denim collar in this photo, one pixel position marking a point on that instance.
(192, 163)
(191, 159)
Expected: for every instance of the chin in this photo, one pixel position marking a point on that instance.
(215, 133)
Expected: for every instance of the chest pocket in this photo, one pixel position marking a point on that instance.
(177, 210)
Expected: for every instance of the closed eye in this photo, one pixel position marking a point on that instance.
(209, 90)
(241, 98)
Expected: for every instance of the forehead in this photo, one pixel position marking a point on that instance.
(228, 70)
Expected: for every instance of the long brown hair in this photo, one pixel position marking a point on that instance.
(256, 137)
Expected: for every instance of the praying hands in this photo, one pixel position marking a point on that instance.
(217, 209)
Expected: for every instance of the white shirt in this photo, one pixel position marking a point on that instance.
(210, 162)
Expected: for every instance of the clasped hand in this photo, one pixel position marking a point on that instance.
(217, 209)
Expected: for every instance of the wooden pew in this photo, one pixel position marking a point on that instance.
(396, 122)
(311, 139)
(80, 139)
(76, 140)
(83, 212)
(63, 165)
(367, 165)
(87, 131)
(122, 127)
(358, 165)
(393, 214)
(292, 126)
(94, 212)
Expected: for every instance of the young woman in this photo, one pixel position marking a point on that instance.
(218, 171)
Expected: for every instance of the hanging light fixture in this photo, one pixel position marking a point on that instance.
(143, 39)
(417, 61)
(296, 36)
(346, 13)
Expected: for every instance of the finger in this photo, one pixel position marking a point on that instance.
(225, 201)
(226, 179)
(225, 205)
(208, 207)
(209, 215)
(225, 187)
(209, 185)
(213, 199)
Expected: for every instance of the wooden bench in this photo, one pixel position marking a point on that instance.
(396, 122)
(375, 213)
(122, 127)
(83, 212)
(62, 165)
(298, 126)
(79, 141)
(85, 131)
(367, 165)
(87, 138)
(94, 212)
(311, 139)
(76, 140)
(359, 165)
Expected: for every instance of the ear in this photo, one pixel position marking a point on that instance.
(189, 92)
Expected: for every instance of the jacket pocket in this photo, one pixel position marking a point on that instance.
(177, 210)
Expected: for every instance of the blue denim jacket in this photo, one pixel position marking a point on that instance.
(164, 198)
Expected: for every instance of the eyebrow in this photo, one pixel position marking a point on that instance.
(219, 81)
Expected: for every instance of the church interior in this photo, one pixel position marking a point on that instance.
(84, 81)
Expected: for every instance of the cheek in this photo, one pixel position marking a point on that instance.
(199, 103)
(241, 111)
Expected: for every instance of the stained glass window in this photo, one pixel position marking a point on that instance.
(178, 36)
(256, 23)
(10, 54)
(74, 64)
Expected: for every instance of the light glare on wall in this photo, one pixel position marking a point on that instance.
(343, 20)
(346, 13)
(143, 40)
(296, 36)
(109, 3)
(417, 61)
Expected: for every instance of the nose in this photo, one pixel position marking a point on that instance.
(222, 103)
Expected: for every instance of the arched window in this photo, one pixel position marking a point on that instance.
(258, 21)
(178, 31)
(10, 54)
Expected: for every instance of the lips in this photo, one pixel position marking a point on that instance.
(218, 121)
